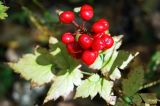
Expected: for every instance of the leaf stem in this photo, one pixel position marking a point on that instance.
(150, 84)
(87, 73)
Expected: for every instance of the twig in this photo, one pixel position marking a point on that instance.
(150, 84)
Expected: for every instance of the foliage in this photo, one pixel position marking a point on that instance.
(3, 10)
(44, 66)
(64, 84)
(155, 61)
(134, 77)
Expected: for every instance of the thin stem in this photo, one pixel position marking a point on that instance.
(150, 84)
(75, 24)
(79, 27)
(83, 24)
(87, 73)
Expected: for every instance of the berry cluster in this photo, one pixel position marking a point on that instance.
(83, 44)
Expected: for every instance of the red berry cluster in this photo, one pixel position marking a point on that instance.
(83, 44)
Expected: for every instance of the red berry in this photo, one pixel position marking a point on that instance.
(98, 27)
(74, 47)
(98, 44)
(108, 40)
(105, 22)
(86, 15)
(76, 55)
(86, 12)
(67, 38)
(66, 17)
(86, 7)
(88, 57)
(85, 41)
(98, 35)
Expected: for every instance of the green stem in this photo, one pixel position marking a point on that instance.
(150, 84)
(87, 73)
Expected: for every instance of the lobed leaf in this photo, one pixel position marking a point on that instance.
(115, 60)
(135, 80)
(64, 84)
(94, 85)
(35, 67)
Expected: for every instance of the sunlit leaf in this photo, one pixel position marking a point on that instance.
(115, 60)
(3, 10)
(64, 84)
(36, 67)
(94, 85)
(118, 60)
(98, 63)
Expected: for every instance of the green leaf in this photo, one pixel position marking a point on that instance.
(137, 100)
(98, 63)
(155, 61)
(135, 80)
(108, 53)
(119, 59)
(121, 102)
(62, 58)
(3, 10)
(89, 87)
(114, 59)
(149, 98)
(64, 84)
(94, 85)
(35, 67)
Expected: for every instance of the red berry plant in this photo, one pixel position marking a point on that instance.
(86, 62)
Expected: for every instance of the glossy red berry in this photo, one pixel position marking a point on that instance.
(86, 12)
(74, 47)
(89, 57)
(67, 38)
(66, 17)
(98, 35)
(98, 44)
(105, 22)
(86, 7)
(108, 40)
(85, 41)
(98, 27)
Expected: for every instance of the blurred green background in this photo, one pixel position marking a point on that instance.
(31, 22)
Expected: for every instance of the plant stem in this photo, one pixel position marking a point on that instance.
(75, 24)
(87, 73)
(79, 27)
(83, 24)
(150, 84)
